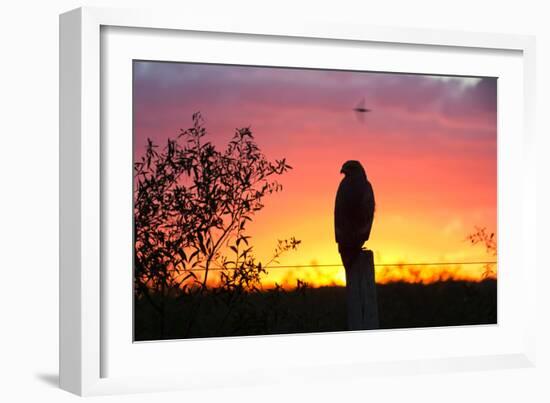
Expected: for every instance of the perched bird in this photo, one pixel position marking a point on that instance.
(354, 208)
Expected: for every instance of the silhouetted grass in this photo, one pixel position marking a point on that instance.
(401, 305)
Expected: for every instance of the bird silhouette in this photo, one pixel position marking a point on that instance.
(360, 110)
(353, 210)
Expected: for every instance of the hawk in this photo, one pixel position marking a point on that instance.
(353, 210)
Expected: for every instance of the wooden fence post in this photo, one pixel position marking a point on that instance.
(361, 293)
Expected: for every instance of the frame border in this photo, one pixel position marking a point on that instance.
(80, 306)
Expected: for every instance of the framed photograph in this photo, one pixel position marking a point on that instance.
(312, 200)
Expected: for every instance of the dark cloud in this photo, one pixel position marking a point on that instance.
(166, 94)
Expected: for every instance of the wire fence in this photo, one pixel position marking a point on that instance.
(300, 266)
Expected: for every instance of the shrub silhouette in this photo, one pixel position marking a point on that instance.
(488, 240)
(192, 204)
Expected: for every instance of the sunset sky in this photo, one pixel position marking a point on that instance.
(429, 148)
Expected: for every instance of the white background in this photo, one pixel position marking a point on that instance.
(29, 201)
(124, 358)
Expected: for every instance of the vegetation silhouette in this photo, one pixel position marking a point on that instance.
(192, 204)
(480, 235)
(324, 309)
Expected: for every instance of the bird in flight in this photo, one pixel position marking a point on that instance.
(360, 110)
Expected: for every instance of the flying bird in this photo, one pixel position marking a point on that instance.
(353, 210)
(360, 110)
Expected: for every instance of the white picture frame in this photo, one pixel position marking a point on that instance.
(86, 302)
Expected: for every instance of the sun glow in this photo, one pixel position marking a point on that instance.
(333, 275)
(428, 146)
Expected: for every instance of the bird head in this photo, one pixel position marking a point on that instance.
(353, 169)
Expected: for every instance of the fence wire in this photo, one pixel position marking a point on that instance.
(300, 266)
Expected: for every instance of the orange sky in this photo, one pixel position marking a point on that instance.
(428, 147)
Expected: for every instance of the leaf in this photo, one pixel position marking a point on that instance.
(183, 255)
(194, 254)
(190, 275)
(201, 243)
